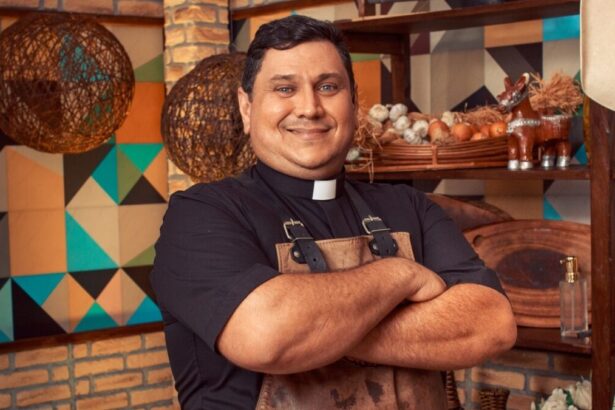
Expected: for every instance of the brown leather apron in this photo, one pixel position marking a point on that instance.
(347, 384)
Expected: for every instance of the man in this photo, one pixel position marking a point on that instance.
(366, 332)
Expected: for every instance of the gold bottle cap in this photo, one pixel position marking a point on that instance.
(572, 268)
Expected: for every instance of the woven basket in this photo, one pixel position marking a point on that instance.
(493, 399)
(452, 397)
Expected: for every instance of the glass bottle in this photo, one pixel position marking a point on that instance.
(573, 300)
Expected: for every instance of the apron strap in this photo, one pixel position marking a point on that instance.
(383, 243)
(304, 249)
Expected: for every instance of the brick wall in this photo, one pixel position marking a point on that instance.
(131, 371)
(527, 374)
(147, 8)
(194, 29)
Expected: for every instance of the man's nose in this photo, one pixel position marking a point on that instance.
(308, 104)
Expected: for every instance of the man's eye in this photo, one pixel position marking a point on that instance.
(328, 88)
(284, 90)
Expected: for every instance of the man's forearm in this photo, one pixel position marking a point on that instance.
(298, 322)
(460, 328)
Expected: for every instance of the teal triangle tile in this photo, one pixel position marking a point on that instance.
(79, 167)
(581, 155)
(106, 174)
(480, 97)
(94, 281)
(146, 312)
(549, 212)
(516, 60)
(140, 275)
(142, 193)
(6, 309)
(561, 28)
(29, 319)
(141, 154)
(4, 338)
(39, 287)
(5, 260)
(83, 252)
(96, 318)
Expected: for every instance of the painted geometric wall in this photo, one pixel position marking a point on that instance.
(460, 69)
(77, 230)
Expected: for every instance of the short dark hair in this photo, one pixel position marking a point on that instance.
(287, 33)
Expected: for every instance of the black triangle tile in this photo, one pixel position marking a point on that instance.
(142, 193)
(386, 85)
(6, 140)
(79, 167)
(516, 60)
(140, 275)
(480, 97)
(2, 215)
(3, 281)
(29, 319)
(94, 281)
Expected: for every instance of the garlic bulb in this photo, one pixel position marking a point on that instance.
(379, 112)
(397, 111)
(448, 118)
(411, 137)
(401, 123)
(421, 127)
(353, 154)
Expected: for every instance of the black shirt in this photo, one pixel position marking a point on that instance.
(217, 244)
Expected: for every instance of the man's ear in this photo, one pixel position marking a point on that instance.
(245, 107)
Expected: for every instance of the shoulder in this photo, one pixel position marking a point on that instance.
(392, 194)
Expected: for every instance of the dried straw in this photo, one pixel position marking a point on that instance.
(560, 94)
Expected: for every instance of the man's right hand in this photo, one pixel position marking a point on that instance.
(427, 284)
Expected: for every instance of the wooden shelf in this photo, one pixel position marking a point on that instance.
(464, 17)
(573, 172)
(550, 340)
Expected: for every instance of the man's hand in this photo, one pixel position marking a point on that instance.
(428, 284)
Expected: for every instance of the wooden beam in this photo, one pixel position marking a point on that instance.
(603, 255)
(374, 43)
(18, 12)
(272, 8)
(400, 73)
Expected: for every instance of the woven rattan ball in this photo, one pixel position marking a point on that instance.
(65, 82)
(201, 123)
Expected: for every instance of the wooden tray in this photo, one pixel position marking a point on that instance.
(401, 156)
(526, 256)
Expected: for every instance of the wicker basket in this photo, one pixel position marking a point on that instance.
(493, 399)
(452, 397)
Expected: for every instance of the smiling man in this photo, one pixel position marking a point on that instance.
(289, 287)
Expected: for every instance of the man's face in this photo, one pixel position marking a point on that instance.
(301, 116)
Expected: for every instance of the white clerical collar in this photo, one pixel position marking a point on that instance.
(324, 190)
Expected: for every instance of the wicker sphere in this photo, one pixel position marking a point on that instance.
(65, 83)
(201, 123)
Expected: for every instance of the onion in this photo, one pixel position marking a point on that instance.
(461, 132)
(438, 130)
(497, 129)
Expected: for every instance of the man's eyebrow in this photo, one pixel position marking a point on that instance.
(292, 77)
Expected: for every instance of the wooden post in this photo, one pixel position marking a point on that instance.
(400, 72)
(364, 8)
(603, 254)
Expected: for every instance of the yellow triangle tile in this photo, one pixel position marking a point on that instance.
(139, 229)
(142, 43)
(57, 304)
(91, 195)
(132, 296)
(110, 299)
(101, 223)
(157, 174)
(30, 184)
(53, 162)
(79, 302)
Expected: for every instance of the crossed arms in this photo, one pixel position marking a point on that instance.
(298, 322)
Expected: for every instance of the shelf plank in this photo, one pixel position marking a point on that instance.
(507, 12)
(550, 340)
(578, 172)
(279, 7)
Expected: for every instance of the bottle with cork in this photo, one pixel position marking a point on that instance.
(573, 301)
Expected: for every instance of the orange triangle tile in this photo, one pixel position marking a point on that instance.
(157, 174)
(79, 302)
(110, 299)
(143, 121)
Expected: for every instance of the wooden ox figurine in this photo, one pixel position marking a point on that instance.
(530, 132)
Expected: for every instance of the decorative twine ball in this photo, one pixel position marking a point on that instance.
(201, 123)
(65, 83)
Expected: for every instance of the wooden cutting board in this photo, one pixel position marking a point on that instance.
(526, 256)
